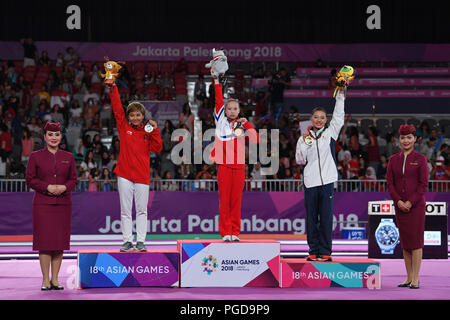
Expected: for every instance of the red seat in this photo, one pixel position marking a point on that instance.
(139, 74)
(97, 87)
(153, 66)
(203, 69)
(123, 90)
(166, 67)
(192, 67)
(139, 66)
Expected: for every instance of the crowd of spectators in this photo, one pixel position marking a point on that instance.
(76, 98)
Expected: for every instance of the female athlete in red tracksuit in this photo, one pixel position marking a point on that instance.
(133, 167)
(229, 154)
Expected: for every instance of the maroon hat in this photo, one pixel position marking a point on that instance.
(406, 129)
(52, 126)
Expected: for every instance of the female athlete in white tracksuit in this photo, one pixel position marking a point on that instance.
(315, 150)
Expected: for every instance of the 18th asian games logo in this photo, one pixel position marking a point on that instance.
(209, 264)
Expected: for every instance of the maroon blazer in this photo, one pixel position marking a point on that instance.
(45, 168)
(413, 184)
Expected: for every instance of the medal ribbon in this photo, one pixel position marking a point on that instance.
(318, 135)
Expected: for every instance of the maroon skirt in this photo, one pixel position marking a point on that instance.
(51, 227)
(411, 226)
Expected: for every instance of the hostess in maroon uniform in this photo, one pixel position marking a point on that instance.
(52, 215)
(410, 185)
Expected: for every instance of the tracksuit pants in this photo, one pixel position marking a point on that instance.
(127, 191)
(231, 184)
(319, 218)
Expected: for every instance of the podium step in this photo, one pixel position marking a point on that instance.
(111, 268)
(214, 263)
(348, 273)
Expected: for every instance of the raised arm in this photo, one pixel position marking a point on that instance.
(337, 121)
(218, 95)
(119, 113)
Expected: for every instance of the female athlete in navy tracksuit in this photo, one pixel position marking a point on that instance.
(315, 150)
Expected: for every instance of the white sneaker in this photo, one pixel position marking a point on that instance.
(234, 238)
(226, 238)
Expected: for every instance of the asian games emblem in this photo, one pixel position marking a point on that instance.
(209, 264)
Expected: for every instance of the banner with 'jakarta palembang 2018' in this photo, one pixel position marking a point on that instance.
(176, 212)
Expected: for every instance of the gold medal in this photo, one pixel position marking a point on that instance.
(238, 132)
(309, 140)
(237, 128)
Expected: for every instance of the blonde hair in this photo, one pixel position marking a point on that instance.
(136, 106)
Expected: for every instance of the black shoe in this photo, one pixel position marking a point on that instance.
(411, 286)
(43, 288)
(141, 247)
(127, 247)
(53, 287)
(404, 285)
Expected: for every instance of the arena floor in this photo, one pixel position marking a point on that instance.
(20, 278)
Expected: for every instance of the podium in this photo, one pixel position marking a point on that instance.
(348, 273)
(214, 263)
(111, 268)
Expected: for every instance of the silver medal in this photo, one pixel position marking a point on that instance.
(148, 128)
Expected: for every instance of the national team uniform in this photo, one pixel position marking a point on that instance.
(133, 169)
(320, 173)
(229, 154)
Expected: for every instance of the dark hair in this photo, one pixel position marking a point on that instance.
(318, 109)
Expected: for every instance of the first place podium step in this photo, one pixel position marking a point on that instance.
(214, 263)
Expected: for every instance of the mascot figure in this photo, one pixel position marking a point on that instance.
(219, 63)
(343, 78)
(112, 69)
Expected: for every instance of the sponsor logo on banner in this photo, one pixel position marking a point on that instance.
(381, 207)
(387, 207)
(209, 264)
(436, 208)
(432, 238)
